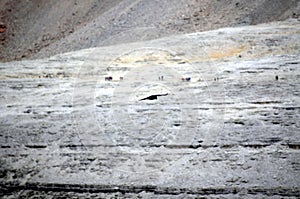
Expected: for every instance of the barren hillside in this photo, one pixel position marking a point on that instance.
(40, 28)
(231, 131)
(149, 99)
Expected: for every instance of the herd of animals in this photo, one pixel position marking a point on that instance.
(184, 79)
(155, 96)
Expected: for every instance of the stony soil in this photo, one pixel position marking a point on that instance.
(40, 28)
(231, 132)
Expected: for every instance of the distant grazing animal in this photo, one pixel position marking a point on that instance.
(153, 97)
(108, 78)
(276, 78)
(3, 28)
(187, 79)
(121, 78)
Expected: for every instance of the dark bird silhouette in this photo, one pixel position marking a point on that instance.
(153, 97)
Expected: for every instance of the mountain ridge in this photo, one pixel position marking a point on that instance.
(38, 29)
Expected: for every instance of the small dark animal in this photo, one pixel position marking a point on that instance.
(153, 97)
(108, 78)
(276, 78)
(187, 79)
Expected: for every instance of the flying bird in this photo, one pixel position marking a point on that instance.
(153, 97)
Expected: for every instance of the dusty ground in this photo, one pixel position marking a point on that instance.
(231, 132)
(40, 28)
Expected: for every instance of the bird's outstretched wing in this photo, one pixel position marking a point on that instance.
(153, 97)
(162, 94)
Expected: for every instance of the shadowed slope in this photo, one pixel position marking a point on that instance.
(36, 29)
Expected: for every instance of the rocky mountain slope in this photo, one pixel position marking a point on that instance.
(232, 131)
(40, 28)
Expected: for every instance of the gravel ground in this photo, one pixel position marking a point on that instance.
(230, 132)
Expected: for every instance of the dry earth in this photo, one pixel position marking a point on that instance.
(42, 28)
(231, 132)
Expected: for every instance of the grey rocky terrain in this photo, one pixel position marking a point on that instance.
(42, 28)
(230, 132)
